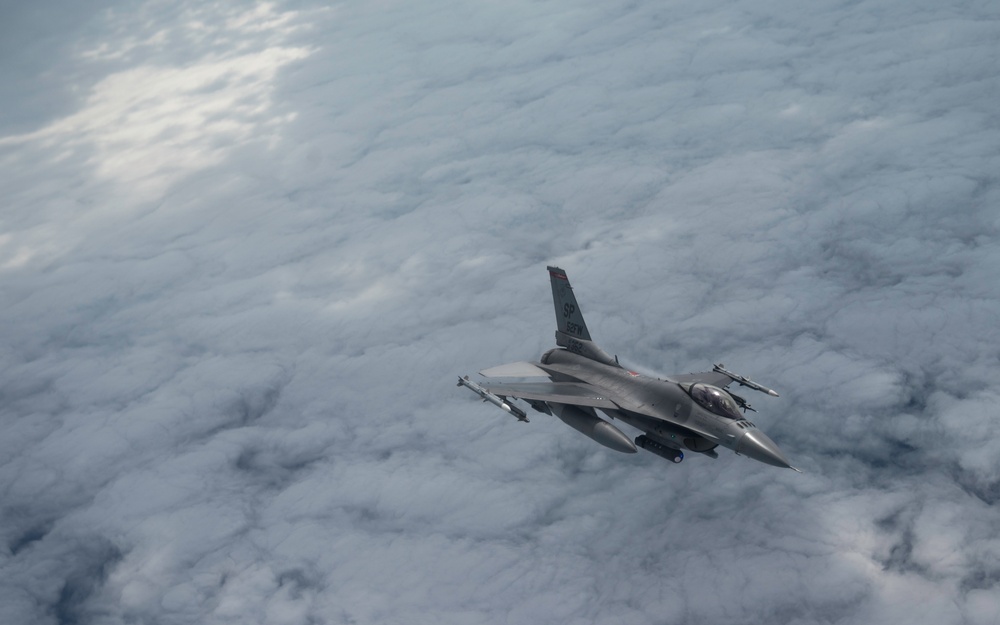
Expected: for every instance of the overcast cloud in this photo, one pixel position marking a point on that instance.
(246, 249)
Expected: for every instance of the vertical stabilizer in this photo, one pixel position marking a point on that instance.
(571, 329)
(569, 319)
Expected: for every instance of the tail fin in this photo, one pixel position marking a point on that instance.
(569, 319)
(571, 329)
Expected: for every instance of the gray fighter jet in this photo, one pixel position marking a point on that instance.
(690, 412)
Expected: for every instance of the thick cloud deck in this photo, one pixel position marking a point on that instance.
(245, 251)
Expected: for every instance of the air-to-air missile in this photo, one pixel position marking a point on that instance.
(496, 400)
(743, 381)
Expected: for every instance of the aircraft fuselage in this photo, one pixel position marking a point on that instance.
(662, 408)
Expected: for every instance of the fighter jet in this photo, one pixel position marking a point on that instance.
(690, 412)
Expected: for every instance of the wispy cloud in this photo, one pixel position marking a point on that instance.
(242, 264)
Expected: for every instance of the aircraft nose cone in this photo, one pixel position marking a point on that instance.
(755, 444)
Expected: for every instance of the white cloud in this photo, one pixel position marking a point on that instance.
(243, 263)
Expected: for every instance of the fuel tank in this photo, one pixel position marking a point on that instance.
(594, 427)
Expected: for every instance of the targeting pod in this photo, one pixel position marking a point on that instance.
(671, 454)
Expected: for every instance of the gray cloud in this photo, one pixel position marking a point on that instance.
(244, 251)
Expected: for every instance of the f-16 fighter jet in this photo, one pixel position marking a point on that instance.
(692, 412)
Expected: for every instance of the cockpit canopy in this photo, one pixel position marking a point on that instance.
(715, 400)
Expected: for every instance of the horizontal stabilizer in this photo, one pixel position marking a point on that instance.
(514, 370)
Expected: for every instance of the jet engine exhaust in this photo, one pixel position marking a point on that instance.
(673, 455)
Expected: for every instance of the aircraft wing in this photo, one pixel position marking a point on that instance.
(573, 393)
(705, 377)
(721, 377)
(579, 394)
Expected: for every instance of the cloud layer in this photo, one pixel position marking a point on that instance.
(245, 250)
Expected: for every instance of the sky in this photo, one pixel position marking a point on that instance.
(246, 248)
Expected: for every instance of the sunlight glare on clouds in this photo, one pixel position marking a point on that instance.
(145, 127)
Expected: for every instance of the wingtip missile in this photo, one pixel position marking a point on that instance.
(744, 381)
(496, 400)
